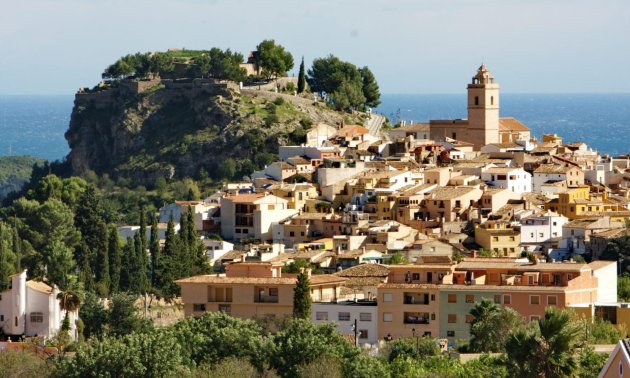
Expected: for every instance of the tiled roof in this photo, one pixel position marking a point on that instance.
(365, 270)
(318, 279)
(414, 127)
(447, 193)
(511, 124)
(483, 264)
(39, 286)
(552, 168)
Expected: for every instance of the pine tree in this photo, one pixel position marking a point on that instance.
(302, 297)
(102, 262)
(113, 249)
(154, 249)
(301, 85)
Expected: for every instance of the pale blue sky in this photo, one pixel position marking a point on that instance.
(413, 46)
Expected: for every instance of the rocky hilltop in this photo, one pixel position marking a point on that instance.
(142, 130)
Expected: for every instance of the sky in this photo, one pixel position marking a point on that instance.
(412, 46)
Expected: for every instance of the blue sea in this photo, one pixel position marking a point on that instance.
(35, 125)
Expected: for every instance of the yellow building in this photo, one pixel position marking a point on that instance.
(578, 203)
(295, 194)
(499, 238)
(384, 205)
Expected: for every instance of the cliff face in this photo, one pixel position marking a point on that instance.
(178, 130)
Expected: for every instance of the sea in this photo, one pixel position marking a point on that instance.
(35, 125)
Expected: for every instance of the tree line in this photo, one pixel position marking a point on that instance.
(345, 86)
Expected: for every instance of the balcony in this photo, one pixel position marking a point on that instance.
(416, 298)
(416, 318)
(265, 295)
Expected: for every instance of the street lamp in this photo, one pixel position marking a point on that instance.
(413, 334)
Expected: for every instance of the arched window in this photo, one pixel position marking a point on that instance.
(476, 100)
(491, 100)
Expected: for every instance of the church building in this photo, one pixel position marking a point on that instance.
(483, 125)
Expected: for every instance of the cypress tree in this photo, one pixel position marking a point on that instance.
(17, 250)
(183, 252)
(7, 263)
(154, 249)
(88, 221)
(301, 85)
(85, 275)
(168, 263)
(102, 261)
(140, 278)
(126, 259)
(302, 297)
(113, 249)
(143, 228)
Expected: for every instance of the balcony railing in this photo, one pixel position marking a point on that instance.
(266, 299)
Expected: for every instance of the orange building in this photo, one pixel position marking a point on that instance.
(252, 289)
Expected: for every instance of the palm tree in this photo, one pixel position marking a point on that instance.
(69, 301)
(547, 349)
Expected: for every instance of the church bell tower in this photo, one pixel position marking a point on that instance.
(483, 109)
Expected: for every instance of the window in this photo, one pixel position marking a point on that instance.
(387, 297)
(470, 298)
(450, 333)
(37, 317)
(363, 334)
(497, 299)
(415, 276)
(507, 299)
(387, 317)
(491, 100)
(476, 100)
(273, 291)
(432, 297)
(199, 307)
(1, 318)
(226, 308)
(452, 298)
(534, 299)
(569, 277)
(531, 280)
(343, 316)
(552, 300)
(365, 317)
(452, 318)
(430, 276)
(495, 238)
(291, 233)
(469, 318)
(321, 315)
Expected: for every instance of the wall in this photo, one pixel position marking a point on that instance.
(356, 310)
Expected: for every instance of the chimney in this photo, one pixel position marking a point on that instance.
(362, 249)
(338, 250)
(473, 253)
(243, 257)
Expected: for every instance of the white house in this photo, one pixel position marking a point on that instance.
(539, 229)
(514, 179)
(215, 249)
(553, 173)
(31, 308)
(343, 314)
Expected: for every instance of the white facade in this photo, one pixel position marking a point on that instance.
(514, 179)
(542, 228)
(31, 308)
(343, 315)
(606, 281)
(215, 249)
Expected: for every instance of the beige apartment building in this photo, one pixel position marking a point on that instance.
(449, 203)
(247, 216)
(252, 289)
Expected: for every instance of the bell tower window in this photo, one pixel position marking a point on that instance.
(491, 100)
(476, 100)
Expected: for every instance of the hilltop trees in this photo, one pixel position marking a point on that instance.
(272, 58)
(301, 86)
(347, 86)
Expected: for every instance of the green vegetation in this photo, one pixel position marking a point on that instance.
(302, 297)
(15, 171)
(348, 87)
(301, 86)
(618, 249)
(272, 58)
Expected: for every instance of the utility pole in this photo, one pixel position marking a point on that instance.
(356, 332)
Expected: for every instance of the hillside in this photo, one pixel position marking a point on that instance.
(174, 129)
(15, 171)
